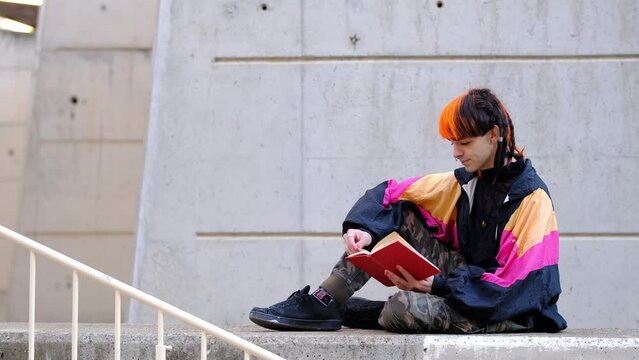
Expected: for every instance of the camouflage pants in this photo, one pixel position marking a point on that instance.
(412, 312)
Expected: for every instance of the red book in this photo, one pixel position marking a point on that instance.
(389, 252)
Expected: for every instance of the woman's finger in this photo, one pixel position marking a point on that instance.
(396, 280)
(349, 243)
(409, 278)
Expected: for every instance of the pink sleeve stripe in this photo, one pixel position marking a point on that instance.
(507, 246)
(515, 268)
(394, 190)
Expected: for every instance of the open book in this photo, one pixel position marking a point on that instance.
(389, 252)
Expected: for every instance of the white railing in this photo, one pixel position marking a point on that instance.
(250, 349)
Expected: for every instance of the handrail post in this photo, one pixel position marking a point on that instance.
(203, 346)
(118, 324)
(74, 318)
(160, 348)
(32, 280)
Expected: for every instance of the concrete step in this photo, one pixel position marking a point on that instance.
(53, 341)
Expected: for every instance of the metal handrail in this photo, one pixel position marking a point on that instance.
(249, 348)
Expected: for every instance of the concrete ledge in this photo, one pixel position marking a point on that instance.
(571, 344)
(53, 341)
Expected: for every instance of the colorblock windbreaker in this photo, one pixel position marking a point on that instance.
(524, 287)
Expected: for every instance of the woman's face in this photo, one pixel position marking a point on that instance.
(477, 153)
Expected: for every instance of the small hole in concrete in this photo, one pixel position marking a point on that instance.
(264, 7)
(74, 100)
(103, 7)
(11, 153)
(354, 39)
(440, 4)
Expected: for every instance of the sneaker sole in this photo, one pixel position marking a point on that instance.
(274, 322)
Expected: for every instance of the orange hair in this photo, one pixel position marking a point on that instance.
(449, 118)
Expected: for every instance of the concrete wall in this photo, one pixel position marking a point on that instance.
(16, 69)
(86, 150)
(270, 119)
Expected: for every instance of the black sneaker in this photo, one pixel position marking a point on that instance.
(360, 313)
(301, 311)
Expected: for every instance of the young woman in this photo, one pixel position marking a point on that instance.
(489, 226)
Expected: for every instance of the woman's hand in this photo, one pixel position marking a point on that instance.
(409, 283)
(355, 240)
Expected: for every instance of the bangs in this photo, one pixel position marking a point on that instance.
(448, 128)
(456, 122)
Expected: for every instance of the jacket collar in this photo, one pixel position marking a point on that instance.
(524, 184)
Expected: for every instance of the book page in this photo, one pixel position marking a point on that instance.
(387, 240)
(393, 238)
(360, 253)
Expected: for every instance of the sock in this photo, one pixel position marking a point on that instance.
(337, 289)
